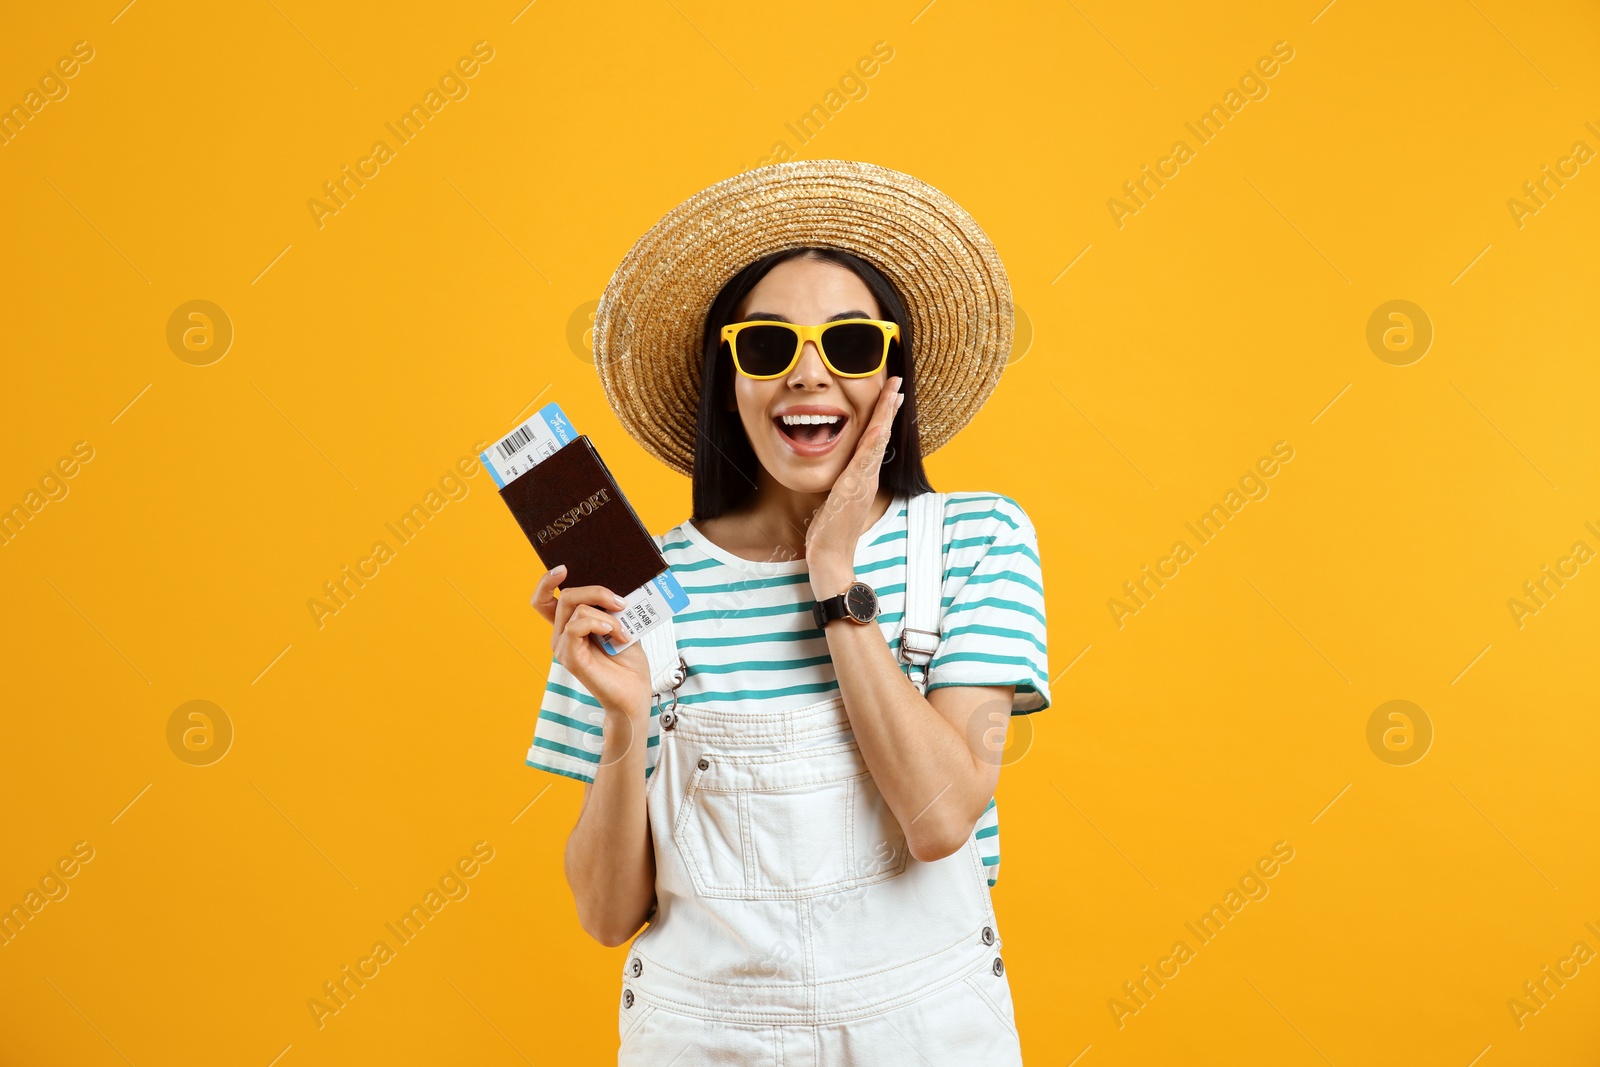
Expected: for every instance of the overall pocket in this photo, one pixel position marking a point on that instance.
(630, 1020)
(994, 991)
(786, 824)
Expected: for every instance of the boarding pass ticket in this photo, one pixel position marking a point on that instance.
(530, 444)
(647, 607)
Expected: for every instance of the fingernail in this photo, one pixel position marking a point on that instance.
(560, 568)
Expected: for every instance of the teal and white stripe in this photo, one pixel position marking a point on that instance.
(748, 634)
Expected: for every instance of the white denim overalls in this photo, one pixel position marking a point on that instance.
(793, 927)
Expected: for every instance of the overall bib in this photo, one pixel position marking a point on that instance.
(793, 927)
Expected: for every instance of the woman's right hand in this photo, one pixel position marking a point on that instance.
(620, 682)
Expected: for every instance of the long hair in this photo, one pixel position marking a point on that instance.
(725, 465)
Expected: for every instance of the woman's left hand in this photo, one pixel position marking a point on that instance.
(837, 526)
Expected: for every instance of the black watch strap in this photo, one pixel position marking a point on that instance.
(825, 611)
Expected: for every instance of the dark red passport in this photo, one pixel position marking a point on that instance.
(571, 509)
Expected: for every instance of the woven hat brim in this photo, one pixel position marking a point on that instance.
(650, 322)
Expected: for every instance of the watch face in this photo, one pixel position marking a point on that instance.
(861, 602)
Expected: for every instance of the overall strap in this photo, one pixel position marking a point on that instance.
(667, 671)
(919, 635)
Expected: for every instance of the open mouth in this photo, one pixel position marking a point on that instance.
(810, 431)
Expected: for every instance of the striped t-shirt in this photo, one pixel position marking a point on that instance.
(748, 634)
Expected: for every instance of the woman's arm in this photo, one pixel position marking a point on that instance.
(935, 759)
(610, 860)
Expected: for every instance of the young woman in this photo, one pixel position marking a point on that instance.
(807, 821)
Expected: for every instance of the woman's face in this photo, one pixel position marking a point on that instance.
(807, 458)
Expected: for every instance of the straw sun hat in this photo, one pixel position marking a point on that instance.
(649, 327)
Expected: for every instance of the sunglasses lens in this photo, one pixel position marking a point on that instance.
(765, 349)
(854, 347)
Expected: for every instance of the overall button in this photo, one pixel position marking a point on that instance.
(627, 997)
(636, 968)
(999, 968)
(988, 935)
(668, 720)
(704, 763)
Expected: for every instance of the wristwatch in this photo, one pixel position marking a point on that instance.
(858, 603)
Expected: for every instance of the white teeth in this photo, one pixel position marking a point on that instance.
(808, 420)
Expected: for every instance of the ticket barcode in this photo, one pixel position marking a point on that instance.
(530, 444)
(515, 441)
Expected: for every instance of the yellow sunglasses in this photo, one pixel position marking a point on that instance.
(851, 348)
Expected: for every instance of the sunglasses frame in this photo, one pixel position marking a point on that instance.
(890, 330)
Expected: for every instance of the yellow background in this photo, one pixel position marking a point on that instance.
(372, 352)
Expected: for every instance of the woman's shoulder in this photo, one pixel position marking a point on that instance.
(979, 509)
(673, 542)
